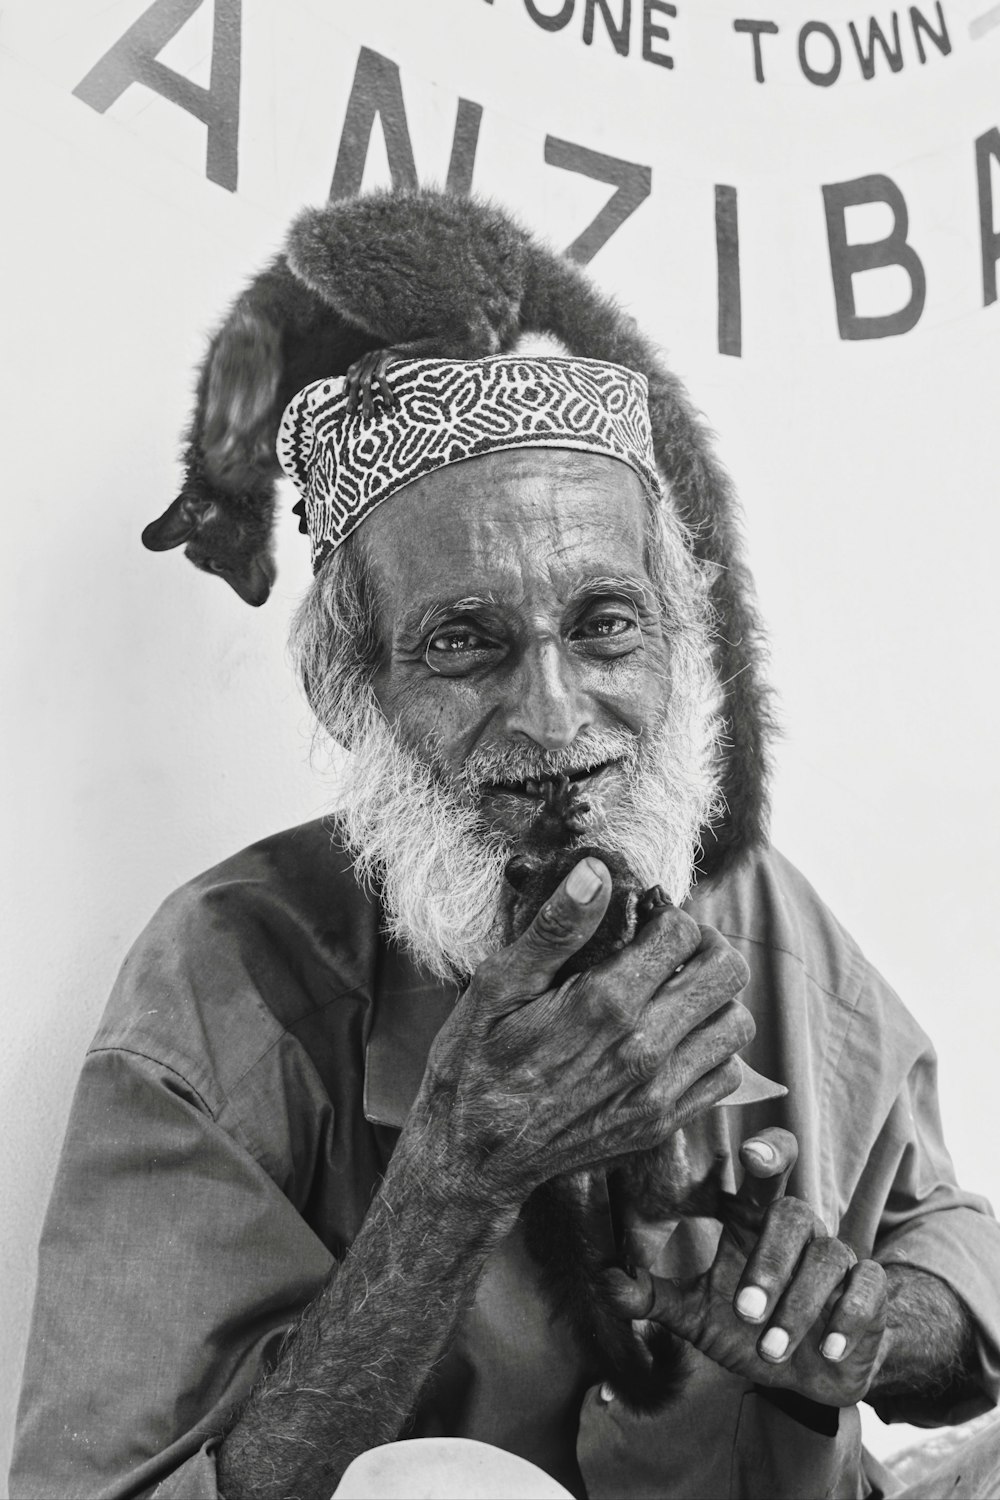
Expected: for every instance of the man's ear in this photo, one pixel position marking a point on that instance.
(181, 521)
(252, 582)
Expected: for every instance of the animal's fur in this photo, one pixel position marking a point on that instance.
(645, 1367)
(425, 271)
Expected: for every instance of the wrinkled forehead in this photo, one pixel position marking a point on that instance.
(507, 526)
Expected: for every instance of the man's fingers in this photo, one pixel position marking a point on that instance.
(670, 941)
(822, 1269)
(860, 1311)
(565, 921)
(768, 1158)
(789, 1225)
(708, 1090)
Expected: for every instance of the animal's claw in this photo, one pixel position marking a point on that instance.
(367, 376)
(650, 902)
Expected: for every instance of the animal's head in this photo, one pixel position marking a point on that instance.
(220, 535)
(558, 840)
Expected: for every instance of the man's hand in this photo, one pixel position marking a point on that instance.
(525, 1082)
(783, 1304)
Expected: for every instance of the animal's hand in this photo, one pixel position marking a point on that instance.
(784, 1304)
(526, 1081)
(368, 373)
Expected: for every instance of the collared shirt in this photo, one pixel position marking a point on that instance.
(241, 1100)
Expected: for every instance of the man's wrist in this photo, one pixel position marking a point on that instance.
(928, 1345)
(450, 1187)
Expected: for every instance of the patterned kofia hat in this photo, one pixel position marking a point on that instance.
(446, 411)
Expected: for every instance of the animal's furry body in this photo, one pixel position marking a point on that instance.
(428, 272)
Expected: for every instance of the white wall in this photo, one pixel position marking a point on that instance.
(152, 723)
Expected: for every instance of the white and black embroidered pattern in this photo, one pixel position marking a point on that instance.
(447, 411)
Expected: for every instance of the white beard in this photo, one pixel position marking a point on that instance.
(418, 839)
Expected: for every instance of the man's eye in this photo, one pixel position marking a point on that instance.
(616, 630)
(455, 642)
(607, 625)
(453, 649)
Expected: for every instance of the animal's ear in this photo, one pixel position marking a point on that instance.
(181, 521)
(252, 581)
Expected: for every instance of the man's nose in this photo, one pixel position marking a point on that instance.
(546, 702)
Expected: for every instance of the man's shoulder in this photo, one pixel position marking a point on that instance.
(246, 953)
(767, 907)
(767, 901)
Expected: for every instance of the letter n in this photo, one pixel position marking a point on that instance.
(376, 91)
(988, 146)
(848, 261)
(134, 58)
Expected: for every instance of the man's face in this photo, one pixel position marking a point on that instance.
(518, 615)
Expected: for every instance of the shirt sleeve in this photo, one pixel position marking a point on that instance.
(930, 1223)
(170, 1267)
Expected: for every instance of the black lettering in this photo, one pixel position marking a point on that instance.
(848, 261)
(988, 151)
(618, 34)
(376, 91)
(652, 33)
(940, 38)
(757, 29)
(134, 58)
(727, 249)
(824, 80)
(633, 183)
(551, 23)
(463, 147)
(893, 54)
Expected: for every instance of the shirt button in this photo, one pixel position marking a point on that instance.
(606, 1394)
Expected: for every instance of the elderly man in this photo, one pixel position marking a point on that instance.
(364, 1151)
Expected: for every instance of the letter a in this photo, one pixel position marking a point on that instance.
(376, 90)
(134, 59)
(848, 261)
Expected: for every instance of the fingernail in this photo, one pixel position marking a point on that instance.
(774, 1343)
(761, 1150)
(833, 1346)
(752, 1303)
(583, 883)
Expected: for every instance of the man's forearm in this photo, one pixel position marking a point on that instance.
(929, 1343)
(353, 1367)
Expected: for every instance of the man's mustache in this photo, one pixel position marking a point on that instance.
(507, 764)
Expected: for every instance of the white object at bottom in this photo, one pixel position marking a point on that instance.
(445, 1469)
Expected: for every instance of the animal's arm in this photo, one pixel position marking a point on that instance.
(928, 1347)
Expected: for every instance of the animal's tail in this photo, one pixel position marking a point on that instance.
(561, 299)
(645, 1372)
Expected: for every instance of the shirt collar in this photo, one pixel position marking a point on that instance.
(410, 1007)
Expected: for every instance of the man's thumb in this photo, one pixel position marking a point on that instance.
(564, 922)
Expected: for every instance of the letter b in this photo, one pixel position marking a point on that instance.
(848, 261)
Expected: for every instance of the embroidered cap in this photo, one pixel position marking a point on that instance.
(447, 411)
